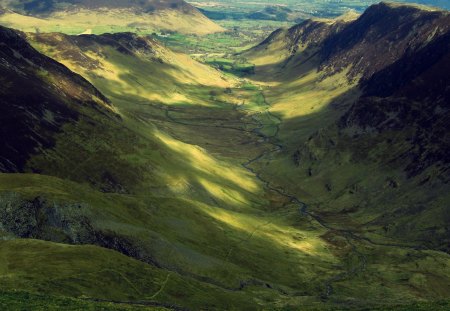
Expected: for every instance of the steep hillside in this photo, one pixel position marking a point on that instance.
(380, 37)
(367, 102)
(364, 114)
(39, 96)
(401, 123)
(358, 45)
(126, 63)
(302, 39)
(78, 16)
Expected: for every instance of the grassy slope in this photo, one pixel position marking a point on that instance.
(26, 301)
(88, 271)
(341, 181)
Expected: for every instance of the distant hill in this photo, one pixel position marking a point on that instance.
(76, 16)
(50, 6)
(271, 12)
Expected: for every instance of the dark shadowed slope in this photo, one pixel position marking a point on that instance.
(39, 96)
(384, 33)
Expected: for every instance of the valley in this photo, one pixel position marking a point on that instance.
(290, 174)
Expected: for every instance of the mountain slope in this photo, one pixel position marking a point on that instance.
(376, 155)
(358, 44)
(382, 31)
(39, 96)
(77, 16)
(364, 114)
(109, 58)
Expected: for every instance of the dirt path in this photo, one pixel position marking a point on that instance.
(163, 286)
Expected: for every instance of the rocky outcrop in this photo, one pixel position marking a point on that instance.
(38, 218)
(63, 222)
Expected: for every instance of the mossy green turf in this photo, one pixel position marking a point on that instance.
(212, 230)
(21, 301)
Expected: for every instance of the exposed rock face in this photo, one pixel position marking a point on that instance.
(62, 222)
(38, 96)
(39, 219)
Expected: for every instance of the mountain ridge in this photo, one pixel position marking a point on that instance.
(49, 6)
